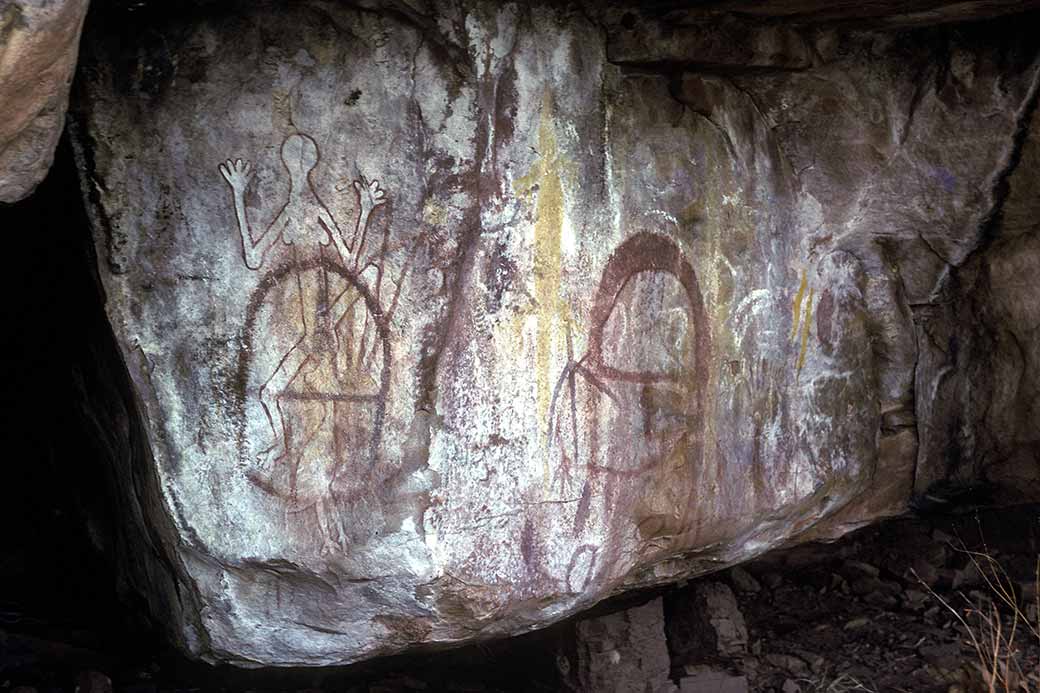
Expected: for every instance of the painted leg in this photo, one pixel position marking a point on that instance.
(270, 393)
(342, 313)
(333, 540)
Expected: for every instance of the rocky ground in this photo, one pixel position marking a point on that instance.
(862, 614)
(869, 615)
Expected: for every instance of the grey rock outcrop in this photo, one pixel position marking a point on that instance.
(39, 44)
(706, 680)
(705, 624)
(447, 322)
(624, 651)
(983, 424)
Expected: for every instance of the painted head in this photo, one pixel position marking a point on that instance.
(300, 156)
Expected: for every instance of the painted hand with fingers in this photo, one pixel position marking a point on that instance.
(370, 196)
(237, 173)
(370, 193)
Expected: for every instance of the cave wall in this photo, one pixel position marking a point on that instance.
(565, 301)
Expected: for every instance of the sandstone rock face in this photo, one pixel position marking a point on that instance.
(39, 43)
(449, 322)
(984, 422)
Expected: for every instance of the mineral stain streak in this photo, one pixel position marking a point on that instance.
(545, 179)
(799, 322)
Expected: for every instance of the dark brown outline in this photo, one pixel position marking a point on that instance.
(246, 352)
(642, 252)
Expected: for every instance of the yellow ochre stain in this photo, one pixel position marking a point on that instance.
(798, 304)
(805, 329)
(546, 175)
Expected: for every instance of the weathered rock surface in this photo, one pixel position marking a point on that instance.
(870, 13)
(984, 422)
(624, 651)
(705, 624)
(39, 43)
(706, 680)
(449, 322)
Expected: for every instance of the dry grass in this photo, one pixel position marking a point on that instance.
(995, 624)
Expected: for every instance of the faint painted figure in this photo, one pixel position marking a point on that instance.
(641, 384)
(318, 306)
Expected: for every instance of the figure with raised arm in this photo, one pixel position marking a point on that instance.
(311, 237)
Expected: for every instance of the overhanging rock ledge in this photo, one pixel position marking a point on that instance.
(449, 321)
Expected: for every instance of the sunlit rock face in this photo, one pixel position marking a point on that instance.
(447, 325)
(39, 42)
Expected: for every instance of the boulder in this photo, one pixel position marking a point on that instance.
(707, 680)
(705, 623)
(624, 651)
(442, 325)
(39, 43)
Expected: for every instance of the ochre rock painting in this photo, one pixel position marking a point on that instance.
(321, 303)
(448, 327)
(643, 377)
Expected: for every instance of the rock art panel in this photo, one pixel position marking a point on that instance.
(445, 326)
(911, 211)
(644, 375)
(322, 391)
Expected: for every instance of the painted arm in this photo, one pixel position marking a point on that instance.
(329, 222)
(369, 197)
(237, 173)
